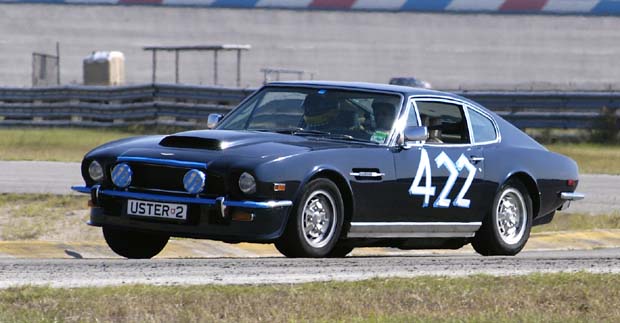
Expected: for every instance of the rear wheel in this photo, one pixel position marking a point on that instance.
(506, 228)
(134, 244)
(315, 223)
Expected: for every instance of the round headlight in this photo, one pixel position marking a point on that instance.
(95, 171)
(247, 183)
(121, 175)
(194, 181)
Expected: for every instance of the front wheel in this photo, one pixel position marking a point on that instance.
(315, 223)
(340, 250)
(134, 244)
(506, 228)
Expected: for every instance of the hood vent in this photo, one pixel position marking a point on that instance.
(190, 142)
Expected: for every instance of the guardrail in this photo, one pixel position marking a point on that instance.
(561, 110)
(94, 106)
(186, 105)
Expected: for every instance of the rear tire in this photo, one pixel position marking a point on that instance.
(507, 226)
(315, 223)
(134, 244)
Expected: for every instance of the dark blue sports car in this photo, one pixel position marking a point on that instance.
(319, 168)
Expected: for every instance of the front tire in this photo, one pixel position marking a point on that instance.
(134, 244)
(315, 223)
(340, 250)
(506, 228)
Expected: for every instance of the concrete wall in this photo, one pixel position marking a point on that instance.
(449, 50)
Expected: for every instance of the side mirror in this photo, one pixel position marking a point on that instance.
(415, 133)
(213, 119)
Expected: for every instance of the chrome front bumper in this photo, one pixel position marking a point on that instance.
(96, 191)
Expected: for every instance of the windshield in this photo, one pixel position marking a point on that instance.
(340, 114)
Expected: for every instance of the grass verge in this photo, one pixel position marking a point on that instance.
(579, 221)
(577, 297)
(54, 144)
(591, 158)
(45, 217)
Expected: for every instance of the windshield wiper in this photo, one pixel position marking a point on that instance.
(294, 131)
(298, 131)
(329, 135)
(349, 138)
(302, 132)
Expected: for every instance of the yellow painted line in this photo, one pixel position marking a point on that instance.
(51, 249)
(193, 248)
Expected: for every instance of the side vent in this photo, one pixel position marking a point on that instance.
(190, 142)
(368, 174)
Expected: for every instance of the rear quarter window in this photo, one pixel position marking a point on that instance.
(482, 127)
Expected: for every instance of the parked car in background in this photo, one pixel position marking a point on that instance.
(320, 168)
(410, 81)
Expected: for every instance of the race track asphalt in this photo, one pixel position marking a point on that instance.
(105, 272)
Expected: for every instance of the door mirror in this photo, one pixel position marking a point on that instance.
(415, 133)
(213, 119)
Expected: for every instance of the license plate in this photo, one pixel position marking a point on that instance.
(157, 209)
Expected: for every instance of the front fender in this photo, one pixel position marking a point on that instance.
(335, 175)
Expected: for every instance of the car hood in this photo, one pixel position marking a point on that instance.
(210, 145)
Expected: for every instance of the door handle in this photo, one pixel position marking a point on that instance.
(476, 159)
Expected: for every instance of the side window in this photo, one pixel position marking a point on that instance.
(482, 127)
(446, 122)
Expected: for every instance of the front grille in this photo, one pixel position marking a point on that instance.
(166, 178)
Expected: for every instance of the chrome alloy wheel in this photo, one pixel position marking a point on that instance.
(511, 216)
(319, 219)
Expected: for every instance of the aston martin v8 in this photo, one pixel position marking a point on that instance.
(320, 168)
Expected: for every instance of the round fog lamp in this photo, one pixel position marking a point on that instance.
(95, 171)
(247, 183)
(194, 181)
(121, 175)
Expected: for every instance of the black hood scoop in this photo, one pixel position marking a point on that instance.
(176, 141)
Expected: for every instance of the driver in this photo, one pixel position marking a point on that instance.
(384, 114)
(319, 111)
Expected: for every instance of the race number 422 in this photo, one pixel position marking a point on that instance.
(454, 169)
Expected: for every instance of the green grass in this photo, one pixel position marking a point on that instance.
(592, 158)
(578, 221)
(577, 297)
(52, 144)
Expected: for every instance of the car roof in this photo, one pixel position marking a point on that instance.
(400, 89)
(405, 90)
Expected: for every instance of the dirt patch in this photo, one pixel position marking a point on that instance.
(45, 217)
